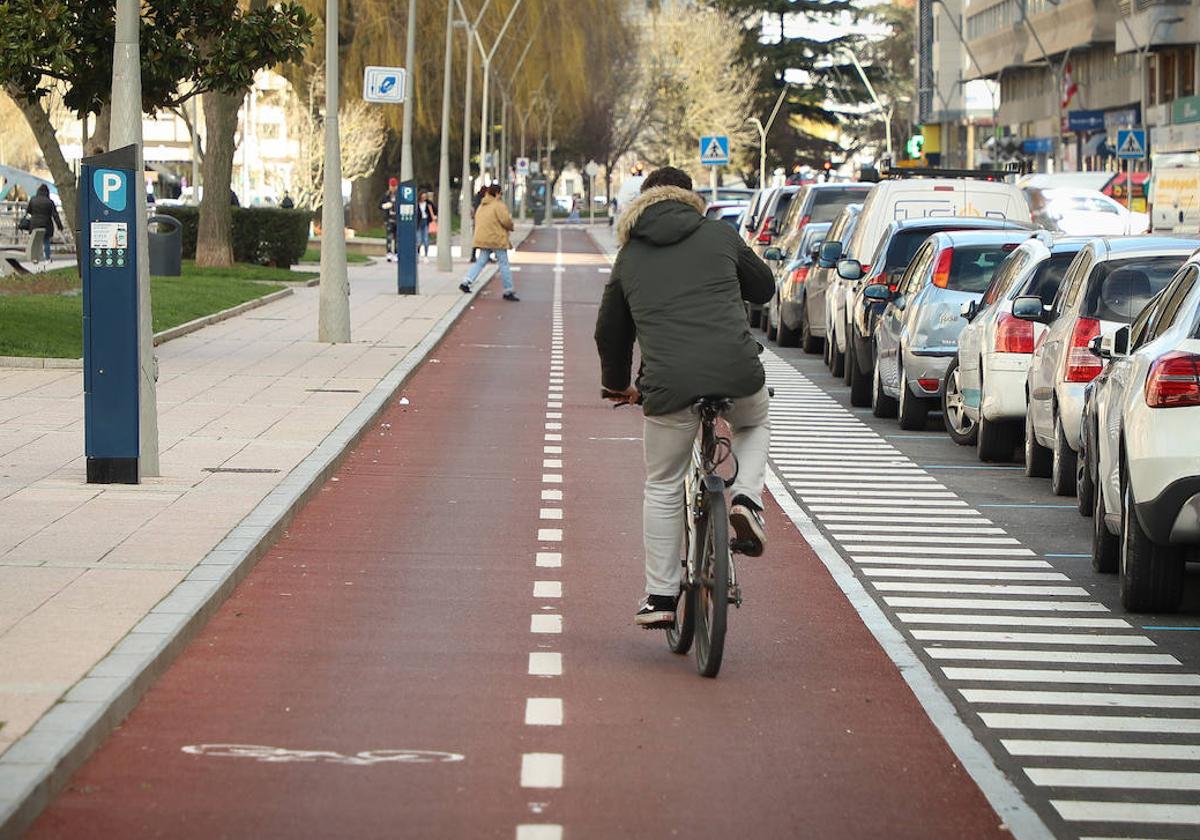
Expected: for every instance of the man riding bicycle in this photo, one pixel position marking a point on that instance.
(677, 288)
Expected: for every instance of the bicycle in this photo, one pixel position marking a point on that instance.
(709, 582)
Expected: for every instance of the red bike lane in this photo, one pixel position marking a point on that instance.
(442, 646)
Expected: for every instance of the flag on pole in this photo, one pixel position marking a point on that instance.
(1070, 88)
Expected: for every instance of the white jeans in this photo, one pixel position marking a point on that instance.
(668, 442)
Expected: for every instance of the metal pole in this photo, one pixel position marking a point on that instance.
(445, 257)
(549, 214)
(127, 130)
(464, 203)
(333, 320)
(196, 148)
(406, 152)
(874, 96)
(484, 109)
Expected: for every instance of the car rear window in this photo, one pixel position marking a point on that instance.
(785, 201)
(1118, 290)
(1048, 277)
(827, 204)
(904, 247)
(972, 266)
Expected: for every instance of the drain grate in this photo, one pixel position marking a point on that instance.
(333, 390)
(244, 470)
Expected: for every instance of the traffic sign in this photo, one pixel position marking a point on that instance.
(384, 84)
(522, 166)
(714, 150)
(1131, 143)
(592, 168)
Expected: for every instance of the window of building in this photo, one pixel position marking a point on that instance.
(1152, 80)
(1187, 71)
(1167, 66)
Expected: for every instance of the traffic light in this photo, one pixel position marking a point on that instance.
(914, 146)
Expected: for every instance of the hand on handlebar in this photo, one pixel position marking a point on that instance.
(629, 396)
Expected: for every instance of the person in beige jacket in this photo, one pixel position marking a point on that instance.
(493, 223)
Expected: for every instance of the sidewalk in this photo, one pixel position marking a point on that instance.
(242, 405)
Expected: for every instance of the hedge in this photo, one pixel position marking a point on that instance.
(261, 235)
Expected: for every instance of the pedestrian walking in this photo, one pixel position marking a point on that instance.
(43, 213)
(388, 205)
(287, 203)
(493, 223)
(426, 223)
(476, 200)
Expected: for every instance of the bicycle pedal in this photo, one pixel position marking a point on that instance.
(735, 595)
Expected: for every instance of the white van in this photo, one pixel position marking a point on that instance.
(898, 199)
(1175, 199)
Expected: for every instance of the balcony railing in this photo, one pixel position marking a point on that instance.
(1128, 8)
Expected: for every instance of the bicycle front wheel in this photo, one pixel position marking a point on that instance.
(711, 594)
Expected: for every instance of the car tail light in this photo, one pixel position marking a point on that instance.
(799, 275)
(929, 385)
(1174, 380)
(941, 271)
(764, 233)
(1081, 365)
(804, 220)
(1013, 335)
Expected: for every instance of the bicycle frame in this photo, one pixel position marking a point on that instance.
(702, 481)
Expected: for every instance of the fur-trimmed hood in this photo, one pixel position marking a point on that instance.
(661, 215)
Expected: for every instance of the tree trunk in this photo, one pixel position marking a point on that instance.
(214, 239)
(99, 141)
(60, 170)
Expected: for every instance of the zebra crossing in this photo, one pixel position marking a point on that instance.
(1099, 730)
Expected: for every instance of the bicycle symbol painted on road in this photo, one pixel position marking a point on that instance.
(282, 755)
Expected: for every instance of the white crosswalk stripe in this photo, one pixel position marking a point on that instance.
(1069, 690)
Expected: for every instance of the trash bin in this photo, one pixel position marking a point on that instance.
(166, 246)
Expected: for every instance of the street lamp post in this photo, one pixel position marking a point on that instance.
(127, 131)
(887, 112)
(762, 136)
(445, 258)
(333, 320)
(548, 217)
(410, 37)
(466, 192)
(487, 79)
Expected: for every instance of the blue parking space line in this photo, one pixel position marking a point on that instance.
(1056, 507)
(1164, 627)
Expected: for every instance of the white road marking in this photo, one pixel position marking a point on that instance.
(552, 495)
(854, 528)
(552, 450)
(552, 436)
(550, 534)
(1080, 657)
(930, 538)
(977, 588)
(1029, 675)
(975, 619)
(539, 832)
(552, 464)
(999, 637)
(552, 478)
(542, 770)
(541, 623)
(962, 574)
(943, 550)
(1101, 749)
(1127, 812)
(545, 664)
(550, 513)
(553, 426)
(1024, 697)
(994, 604)
(548, 560)
(1108, 778)
(547, 589)
(543, 711)
(972, 562)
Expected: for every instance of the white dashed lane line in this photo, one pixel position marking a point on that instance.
(1047, 674)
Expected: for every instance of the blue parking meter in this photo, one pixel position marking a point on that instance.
(107, 238)
(406, 238)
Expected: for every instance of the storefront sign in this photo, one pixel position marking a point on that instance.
(1186, 109)
(1119, 118)
(1175, 138)
(1081, 122)
(1038, 145)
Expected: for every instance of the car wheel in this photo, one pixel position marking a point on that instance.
(1085, 488)
(1106, 546)
(808, 342)
(1151, 575)
(881, 404)
(769, 325)
(785, 335)
(913, 411)
(837, 359)
(829, 345)
(1062, 463)
(962, 429)
(860, 383)
(1037, 457)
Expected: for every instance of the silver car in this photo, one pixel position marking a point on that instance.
(917, 334)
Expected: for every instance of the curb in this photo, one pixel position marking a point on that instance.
(33, 363)
(40, 763)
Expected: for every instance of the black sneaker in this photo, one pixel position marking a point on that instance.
(510, 296)
(750, 532)
(656, 613)
(464, 286)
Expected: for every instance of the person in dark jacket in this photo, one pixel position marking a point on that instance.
(43, 213)
(677, 289)
(388, 204)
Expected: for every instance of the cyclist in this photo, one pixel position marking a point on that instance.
(677, 288)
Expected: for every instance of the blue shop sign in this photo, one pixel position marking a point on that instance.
(1038, 146)
(1081, 122)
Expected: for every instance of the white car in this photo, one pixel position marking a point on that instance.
(1083, 212)
(1147, 453)
(995, 348)
(1106, 286)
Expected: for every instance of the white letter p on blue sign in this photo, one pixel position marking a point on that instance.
(109, 186)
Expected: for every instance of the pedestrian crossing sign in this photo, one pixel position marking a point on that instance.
(1131, 143)
(714, 150)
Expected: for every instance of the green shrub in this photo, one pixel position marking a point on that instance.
(261, 235)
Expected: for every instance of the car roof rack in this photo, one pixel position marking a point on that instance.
(935, 172)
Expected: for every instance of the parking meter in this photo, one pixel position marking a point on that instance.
(406, 238)
(107, 238)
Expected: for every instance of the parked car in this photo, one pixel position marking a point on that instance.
(726, 211)
(749, 220)
(887, 265)
(1147, 453)
(1083, 212)
(986, 389)
(783, 315)
(1107, 284)
(824, 273)
(917, 335)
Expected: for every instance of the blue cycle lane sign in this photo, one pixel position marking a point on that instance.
(714, 150)
(384, 84)
(1131, 143)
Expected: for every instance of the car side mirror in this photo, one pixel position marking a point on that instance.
(829, 254)
(968, 310)
(877, 292)
(1120, 342)
(815, 251)
(1029, 308)
(773, 254)
(850, 269)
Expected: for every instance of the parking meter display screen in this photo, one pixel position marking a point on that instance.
(110, 244)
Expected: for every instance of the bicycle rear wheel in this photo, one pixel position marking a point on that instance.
(710, 597)
(679, 636)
